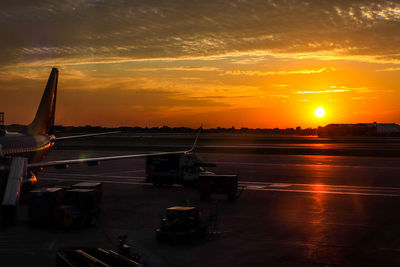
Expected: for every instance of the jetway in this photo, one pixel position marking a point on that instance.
(17, 173)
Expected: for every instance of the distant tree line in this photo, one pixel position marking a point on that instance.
(166, 129)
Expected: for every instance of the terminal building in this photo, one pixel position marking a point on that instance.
(359, 129)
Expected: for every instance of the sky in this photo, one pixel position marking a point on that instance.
(256, 64)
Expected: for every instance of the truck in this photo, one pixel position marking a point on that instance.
(165, 170)
(187, 169)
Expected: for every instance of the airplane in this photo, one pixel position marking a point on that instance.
(35, 143)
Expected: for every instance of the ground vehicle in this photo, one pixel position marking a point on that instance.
(181, 224)
(80, 207)
(42, 204)
(96, 186)
(174, 169)
(187, 169)
(78, 203)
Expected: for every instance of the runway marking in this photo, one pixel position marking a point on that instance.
(320, 188)
(86, 180)
(105, 173)
(99, 175)
(279, 185)
(322, 185)
(255, 187)
(261, 186)
(319, 164)
(329, 189)
(327, 192)
(95, 174)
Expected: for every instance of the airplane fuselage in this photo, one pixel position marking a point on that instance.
(33, 147)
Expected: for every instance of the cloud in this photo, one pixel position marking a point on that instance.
(281, 85)
(321, 92)
(390, 69)
(108, 102)
(101, 30)
(339, 89)
(362, 89)
(265, 73)
(183, 68)
(363, 98)
(173, 57)
(284, 96)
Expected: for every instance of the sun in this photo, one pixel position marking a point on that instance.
(319, 112)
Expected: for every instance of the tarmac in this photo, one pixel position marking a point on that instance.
(293, 210)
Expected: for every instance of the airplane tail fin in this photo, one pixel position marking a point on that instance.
(43, 123)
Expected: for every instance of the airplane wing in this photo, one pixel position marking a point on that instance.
(62, 164)
(82, 135)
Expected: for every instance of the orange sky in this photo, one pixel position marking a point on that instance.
(221, 63)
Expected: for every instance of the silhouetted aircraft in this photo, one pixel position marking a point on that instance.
(36, 142)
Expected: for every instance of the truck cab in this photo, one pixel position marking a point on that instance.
(173, 169)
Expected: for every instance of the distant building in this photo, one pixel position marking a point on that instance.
(359, 129)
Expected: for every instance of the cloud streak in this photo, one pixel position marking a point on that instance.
(76, 29)
(321, 92)
(266, 73)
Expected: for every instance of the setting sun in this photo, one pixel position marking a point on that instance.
(319, 112)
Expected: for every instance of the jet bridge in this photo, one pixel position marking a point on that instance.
(18, 170)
